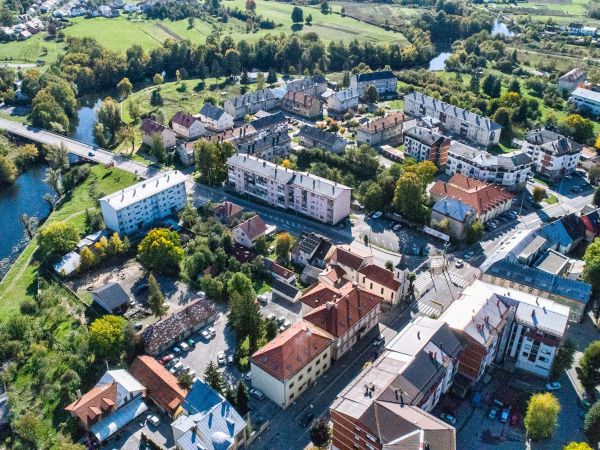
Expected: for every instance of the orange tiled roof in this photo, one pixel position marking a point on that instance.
(161, 385)
(323, 293)
(380, 275)
(349, 257)
(382, 123)
(291, 350)
(254, 227)
(479, 195)
(95, 403)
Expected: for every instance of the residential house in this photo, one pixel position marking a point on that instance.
(486, 199)
(268, 146)
(150, 129)
(302, 104)
(463, 123)
(111, 297)
(578, 29)
(382, 130)
(424, 144)
(310, 248)
(591, 222)
(115, 400)
(586, 100)
(509, 169)
(250, 230)
(381, 282)
(285, 291)
(287, 365)
(565, 233)
(572, 80)
(347, 316)
(214, 118)
(553, 155)
(341, 101)
(227, 212)
(384, 81)
(242, 105)
(209, 422)
(313, 137)
(142, 204)
(186, 125)
(162, 387)
(315, 85)
(350, 259)
(163, 334)
(68, 264)
(459, 216)
(279, 272)
(270, 123)
(313, 196)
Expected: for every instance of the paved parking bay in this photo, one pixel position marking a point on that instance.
(129, 438)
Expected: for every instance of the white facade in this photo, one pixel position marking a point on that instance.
(553, 155)
(343, 100)
(224, 122)
(308, 194)
(195, 130)
(168, 137)
(458, 121)
(586, 100)
(142, 204)
(570, 80)
(385, 82)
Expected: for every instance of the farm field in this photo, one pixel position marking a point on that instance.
(560, 11)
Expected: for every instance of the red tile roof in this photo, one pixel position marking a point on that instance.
(161, 385)
(227, 209)
(184, 119)
(254, 227)
(349, 257)
(380, 275)
(382, 123)
(300, 98)
(479, 195)
(323, 293)
(338, 316)
(277, 269)
(293, 349)
(94, 404)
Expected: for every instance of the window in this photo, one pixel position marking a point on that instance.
(309, 370)
(291, 384)
(300, 377)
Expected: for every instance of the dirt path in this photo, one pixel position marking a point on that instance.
(167, 30)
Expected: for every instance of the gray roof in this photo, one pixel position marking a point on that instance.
(372, 76)
(541, 136)
(423, 135)
(454, 208)
(586, 94)
(252, 97)
(112, 295)
(552, 262)
(260, 143)
(261, 167)
(318, 185)
(455, 111)
(320, 135)
(212, 111)
(481, 158)
(285, 288)
(267, 121)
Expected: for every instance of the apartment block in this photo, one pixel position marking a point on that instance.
(313, 196)
(383, 130)
(139, 206)
(384, 81)
(424, 144)
(586, 100)
(462, 123)
(553, 155)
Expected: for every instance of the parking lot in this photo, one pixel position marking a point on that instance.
(129, 438)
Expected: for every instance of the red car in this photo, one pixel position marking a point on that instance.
(165, 359)
(514, 419)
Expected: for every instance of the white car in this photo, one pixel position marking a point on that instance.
(184, 346)
(396, 227)
(458, 263)
(154, 420)
(205, 335)
(212, 332)
(271, 316)
(554, 386)
(468, 255)
(257, 394)
(221, 358)
(376, 215)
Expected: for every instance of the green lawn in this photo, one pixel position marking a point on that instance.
(551, 199)
(21, 280)
(31, 50)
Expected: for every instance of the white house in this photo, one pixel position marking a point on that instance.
(341, 101)
(553, 155)
(186, 125)
(150, 128)
(214, 118)
(384, 81)
(586, 100)
(247, 232)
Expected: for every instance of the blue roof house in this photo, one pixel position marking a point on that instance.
(558, 236)
(459, 215)
(209, 421)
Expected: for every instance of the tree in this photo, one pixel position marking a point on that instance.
(108, 122)
(371, 95)
(320, 434)
(57, 156)
(373, 199)
(124, 88)
(490, 84)
(88, 258)
(408, 197)
(589, 373)
(127, 135)
(475, 232)
(191, 21)
(272, 76)
(283, 244)
(157, 79)
(244, 80)
(596, 197)
(591, 423)
(250, 5)
(577, 446)
(594, 173)
(156, 98)
(27, 155)
(577, 127)
(245, 316)
(309, 19)
(389, 265)
(325, 7)
(260, 81)
(591, 257)
(8, 171)
(56, 239)
(213, 377)
(541, 416)
(241, 398)
(261, 246)
(185, 380)
(156, 298)
(538, 194)
(158, 148)
(189, 215)
(231, 62)
(229, 395)
(160, 251)
(563, 360)
(503, 117)
(107, 337)
(297, 15)
(271, 329)
(211, 160)
(346, 79)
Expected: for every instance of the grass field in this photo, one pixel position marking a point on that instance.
(20, 282)
(31, 50)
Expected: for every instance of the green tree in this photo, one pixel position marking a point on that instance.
(124, 88)
(538, 194)
(577, 446)
(108, 122)
(271, 329)
(158, 148)
(589, 366)
(591, 423)
(596, 197)
(371, 95)
(346, 79)
(158, 79)
(577, 127)
(503, 117)
(408, 197)
(490, 85)
(160, 251)
(189, 215)
(211, 160)
(8, 171)
(563, 360)
(283, 244)
(185, 380)
(231, 62)
(241, 398)
(373, 198)
(325, 7)
(229, 395)
(56, 239)
(127, 136)
(297, 15)
(475, 232)
(213, 377)
(156, 299)
(389, 265)
(260, 81)
(57, 156)
(541, 416)
(156, 98)
(245, 314)
(272, 76)
(107, 337)
(261, 246)
(320, 433)
(591, 257)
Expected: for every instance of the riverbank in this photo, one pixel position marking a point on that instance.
(20, 282)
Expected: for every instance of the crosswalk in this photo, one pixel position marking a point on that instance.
(457, 280)
(422, 284)
(427, 310)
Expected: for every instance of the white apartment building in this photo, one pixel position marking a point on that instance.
(214, 118)
(509, 170)
(139, 206)
(250, 103)
(341, 101)
(286, 366)
(424, 144)
(313, 196)
(586, 100)
(463, 123)
(384, 81)
(553, 155)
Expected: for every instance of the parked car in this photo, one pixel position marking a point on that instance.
(306, 419)
(247, 376)
(379, 340)
(176, 368)
(138, 326)
(165, 359)
(221, 358)
(376, 215)
(230, 360)
(92, 154)
(271, 316)
(280, 320)
(468, 255)
(177, 351)
(212, 332)
(493, 413)
(448, 418)
(396, 227)
(191, 342)
(458, 263)
(205, 335)
(263, 299)
(505, 415)
(154, 420)
(184, 346)
(554, 386)
(257, 394)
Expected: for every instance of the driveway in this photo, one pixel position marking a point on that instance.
(129, 438)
